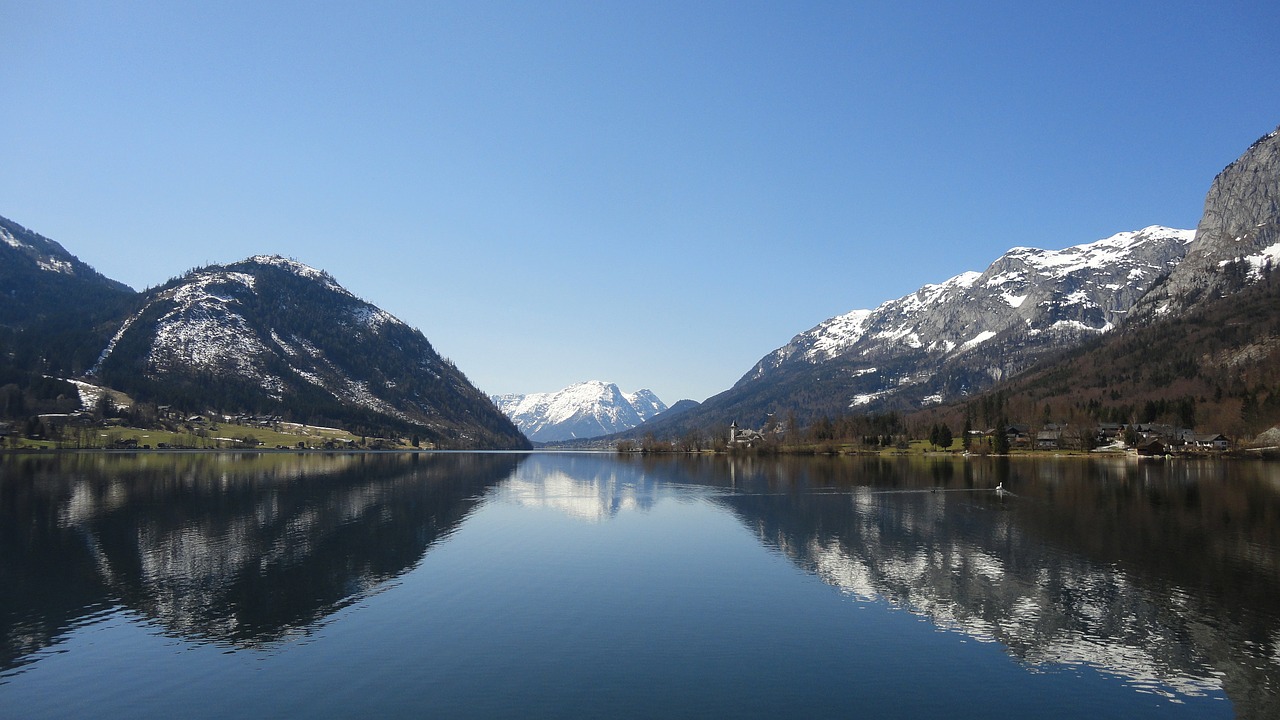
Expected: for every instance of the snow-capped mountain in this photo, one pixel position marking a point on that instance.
(1202, 347)
(1027, 299)
(950, 339)
(272, 334)
(585, 410)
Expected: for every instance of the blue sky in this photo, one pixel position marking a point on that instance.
(656, 194)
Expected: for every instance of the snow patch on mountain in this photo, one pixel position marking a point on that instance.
(111, 344)
(978, 339)
(43, 260)
(1259, 262)
(867, 398)
(11, 241)
(1015, 301)
(209, 342)
(203, 329)
(300, 269)
(373, 317)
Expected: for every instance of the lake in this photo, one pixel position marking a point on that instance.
(159, 585)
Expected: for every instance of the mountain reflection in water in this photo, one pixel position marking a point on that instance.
(1166, 575)
(237, 549)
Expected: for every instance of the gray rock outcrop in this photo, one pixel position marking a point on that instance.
(1238, 236)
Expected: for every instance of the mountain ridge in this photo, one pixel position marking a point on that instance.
(965, 311)
(946, 340)
(267, 335)
(281, 336)
(1203, 346)
(55, 307)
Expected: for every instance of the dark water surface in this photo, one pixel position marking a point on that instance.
(577, 585)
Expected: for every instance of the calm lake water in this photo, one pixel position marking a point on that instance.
(579, 585)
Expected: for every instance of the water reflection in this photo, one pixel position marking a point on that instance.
(237, 549)
(1165, 575)
(588, 487)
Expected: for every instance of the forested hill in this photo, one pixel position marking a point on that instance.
(265, 336)
(271, 335)
(56, 312)
(1214, 368)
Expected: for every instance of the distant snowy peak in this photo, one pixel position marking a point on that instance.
(587, 409)
(646, 403)
(1036, 296)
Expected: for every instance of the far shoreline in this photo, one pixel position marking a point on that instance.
(1248, 454)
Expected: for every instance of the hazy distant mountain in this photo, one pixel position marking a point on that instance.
(269, 334)
(681, 406)
(585, 410)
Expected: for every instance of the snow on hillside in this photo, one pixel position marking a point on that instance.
(43, 260)
(205, 324)
(299, 269)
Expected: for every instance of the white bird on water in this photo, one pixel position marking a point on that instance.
(999, 488)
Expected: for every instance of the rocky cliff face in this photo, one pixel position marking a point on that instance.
(1238, 236)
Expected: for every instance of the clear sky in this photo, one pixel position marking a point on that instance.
(655, 194)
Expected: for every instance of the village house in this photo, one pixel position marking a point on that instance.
(1049, 440)
(1208, 442)
(1108, 432)
(1151, 447)
(1018, 435)
(1168, 433)
(255, 420)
